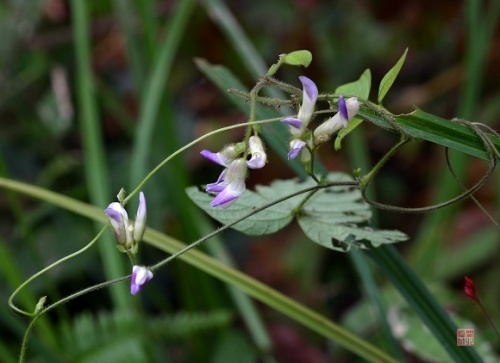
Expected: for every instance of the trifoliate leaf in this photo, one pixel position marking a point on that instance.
(390, 77)
(298, 58)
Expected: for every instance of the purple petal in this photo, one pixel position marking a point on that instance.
(256, 162)
(295, 147)
(229, 195)
(219, 185)
(343, 109)
(140, 219)
(294, 122)
(214, 157)
(114, 213)
(256, 149)
(140, 277)
(309, 88)
(119, 221)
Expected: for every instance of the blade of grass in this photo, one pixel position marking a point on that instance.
(150, 27)
(252, 287)
(156, 83)
(249, 55)
(422, 302)
(125, 13)
(358, 153)
(95, 166)
(435, 227)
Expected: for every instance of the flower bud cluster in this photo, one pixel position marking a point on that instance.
(127, 234)
(231, 182)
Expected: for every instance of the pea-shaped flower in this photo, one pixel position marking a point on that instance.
(140, 277)
(126, 233)
(309, 97)
(230, 185)
(347, 110)
(258, 155)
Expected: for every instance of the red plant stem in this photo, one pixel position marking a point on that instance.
(488, 317)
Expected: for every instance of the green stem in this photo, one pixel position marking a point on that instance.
(365, 180)
(58, 262)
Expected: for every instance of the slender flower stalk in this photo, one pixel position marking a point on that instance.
(470, 292)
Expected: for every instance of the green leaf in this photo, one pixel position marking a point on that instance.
(359, 88)
(268, 221)
(331, 217)
(390, 77)
(425, 126)
(298, 58)
(351, 125)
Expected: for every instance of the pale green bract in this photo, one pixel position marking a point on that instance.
(359, 88)
(390, 77)
(336, 218)
(298, 58)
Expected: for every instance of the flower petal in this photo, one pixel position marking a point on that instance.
(352, 105)
(119, 221)
(294, 122)
(295, 147)
(343, 109)
(256, 148)
(219, 185)
(229, 195)
(310, 89)
(140, 277)
(217, 158)
(140, 218)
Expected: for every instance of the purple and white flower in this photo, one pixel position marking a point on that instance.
(347, 110)
(226, 155)
(258, 155)
(140, 277)
(140, 219)
(118, 218)
(230, 184)
(125, 232)
(309, 97)
(295, 146)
